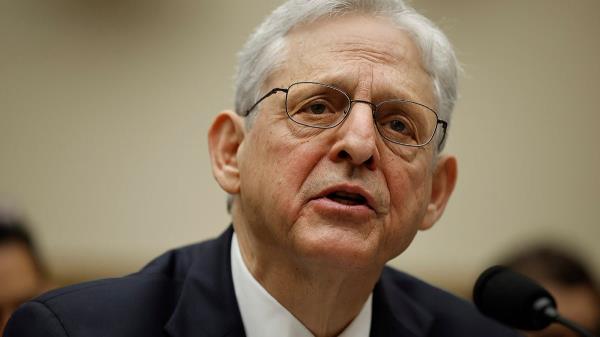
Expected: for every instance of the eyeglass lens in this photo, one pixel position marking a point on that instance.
(322, 106)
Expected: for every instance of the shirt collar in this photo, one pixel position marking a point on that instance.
(263, 316)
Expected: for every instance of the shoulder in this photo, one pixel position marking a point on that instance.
(98, 308)
(137, 304)
(448, 312)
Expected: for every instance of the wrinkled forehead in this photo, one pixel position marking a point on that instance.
(348, 50)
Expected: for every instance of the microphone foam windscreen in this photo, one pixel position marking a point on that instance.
(509, 297)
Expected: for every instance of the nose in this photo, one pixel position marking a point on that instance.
(356, 138)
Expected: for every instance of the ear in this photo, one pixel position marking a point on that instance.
(442, 185)
(224, 138)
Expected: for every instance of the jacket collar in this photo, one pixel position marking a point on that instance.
(207, 306)
(394, 313)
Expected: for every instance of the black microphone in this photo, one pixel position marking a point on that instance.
(517, 301)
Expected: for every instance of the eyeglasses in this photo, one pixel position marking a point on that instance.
(323, 106)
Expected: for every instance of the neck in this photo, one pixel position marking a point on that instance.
(324, 298)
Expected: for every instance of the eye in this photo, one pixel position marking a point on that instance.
(398, 126)
(316, 105)
(317, 108)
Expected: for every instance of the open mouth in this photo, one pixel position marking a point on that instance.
(344, 198)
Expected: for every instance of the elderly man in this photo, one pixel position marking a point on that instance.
(332, 162)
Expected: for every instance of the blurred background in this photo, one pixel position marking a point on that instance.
(105, 104)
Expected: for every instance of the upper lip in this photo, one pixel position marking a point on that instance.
(347, 188)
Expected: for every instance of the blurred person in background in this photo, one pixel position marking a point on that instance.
(566, 277)
(22, 275)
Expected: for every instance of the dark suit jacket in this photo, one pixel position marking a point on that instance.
(188, 292)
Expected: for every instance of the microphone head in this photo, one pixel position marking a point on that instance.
(512, 299)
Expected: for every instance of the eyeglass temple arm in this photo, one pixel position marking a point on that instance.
(273, 91)
(444, 126)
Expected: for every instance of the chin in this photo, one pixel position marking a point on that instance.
(337, 247)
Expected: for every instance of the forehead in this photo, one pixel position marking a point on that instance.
(351, 49)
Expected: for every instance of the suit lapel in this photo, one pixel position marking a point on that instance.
(395, 314)
(207, 306)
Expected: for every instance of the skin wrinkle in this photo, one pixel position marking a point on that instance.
(372, 51)
(364, 49)
(304, 66)
(404, 91)
(364, 86)
(364, 46)
(402, 88)
(302, 51)
(345, 55)
(331, 258)
(353, 47)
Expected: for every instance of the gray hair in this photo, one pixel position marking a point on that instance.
(265, 49)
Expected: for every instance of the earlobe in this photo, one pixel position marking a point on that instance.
(224, 139)
(442, 185)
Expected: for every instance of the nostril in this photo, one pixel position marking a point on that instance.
(370, 163)
(343, 155)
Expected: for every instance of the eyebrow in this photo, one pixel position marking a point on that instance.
(342, 81)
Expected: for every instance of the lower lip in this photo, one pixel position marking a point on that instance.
(329, 207)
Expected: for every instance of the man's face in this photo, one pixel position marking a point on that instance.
(342, 196)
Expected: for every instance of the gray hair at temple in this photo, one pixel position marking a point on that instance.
(265, 49)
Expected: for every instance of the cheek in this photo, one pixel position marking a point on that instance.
(408, 188)
(296, 162)
(407, 183)
(288, 163)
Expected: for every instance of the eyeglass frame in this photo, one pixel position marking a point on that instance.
(349, 109)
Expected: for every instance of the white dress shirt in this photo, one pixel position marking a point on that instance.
(263, 316)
